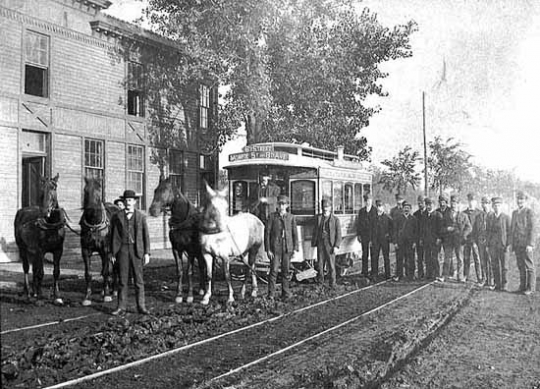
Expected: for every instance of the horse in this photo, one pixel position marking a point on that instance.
(183, 233)
(96, 236)
(40, 230)
(226, 237)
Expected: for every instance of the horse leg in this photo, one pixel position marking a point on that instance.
(56, 275)
(251, 266)
(106, 274)
(87, 276)
(26, 268)
(202, 273)
(179, 273)
(37, 273)
(190, 266)
(244, 284)
(208, 259)
(226, 268)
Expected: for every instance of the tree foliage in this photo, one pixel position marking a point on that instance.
(448, 164)
(295, 70)
(401, 171)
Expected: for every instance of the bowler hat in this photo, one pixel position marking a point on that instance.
(496, 200)
(119, 199)
(326, 203)
(406, 204)
(129, 194)
(521, 195)
(283, 199)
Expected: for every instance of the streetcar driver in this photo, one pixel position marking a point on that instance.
(266, 197)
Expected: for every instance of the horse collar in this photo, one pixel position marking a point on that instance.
(210, 231)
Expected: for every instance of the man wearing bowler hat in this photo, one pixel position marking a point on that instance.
(364, 231)
(522, 241)
(280, 241)
(131, 248)
(327, 238)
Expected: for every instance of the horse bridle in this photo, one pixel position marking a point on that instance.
(103, 224)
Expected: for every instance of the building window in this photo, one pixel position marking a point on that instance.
(135, 171)
(93, 158)
(338, 197)
(204, 107)
(303, 197)
(176, 158)
(36, 66)
(135, 98)
(358, 201)
(348, 198)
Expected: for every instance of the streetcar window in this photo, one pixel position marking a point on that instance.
(338, 197)
(357, 197)
(240, 197)
(367, 188)
(348, 198)
(303, 197)
(326, 190)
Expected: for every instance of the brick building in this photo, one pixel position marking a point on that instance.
(71, 104)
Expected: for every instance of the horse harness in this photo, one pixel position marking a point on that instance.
(102, 225)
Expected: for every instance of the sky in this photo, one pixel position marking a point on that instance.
(478, 62)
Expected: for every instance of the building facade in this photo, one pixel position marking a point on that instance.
(75, 101)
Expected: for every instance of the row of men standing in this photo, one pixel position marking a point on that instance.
(485, 235)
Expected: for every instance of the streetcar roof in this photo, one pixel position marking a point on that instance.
(292, 154)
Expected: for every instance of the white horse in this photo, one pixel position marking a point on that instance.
(223, 236)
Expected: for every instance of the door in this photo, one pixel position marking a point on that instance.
(33, 169)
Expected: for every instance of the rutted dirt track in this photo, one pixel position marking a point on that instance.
(450, 335)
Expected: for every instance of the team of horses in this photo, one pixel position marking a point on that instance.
(206, 234)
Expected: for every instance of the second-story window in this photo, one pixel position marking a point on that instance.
(204, 107)
(94, 161)
(36, 64)
(135, 94)
(175, 168)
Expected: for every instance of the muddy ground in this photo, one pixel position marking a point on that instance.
(445, 336)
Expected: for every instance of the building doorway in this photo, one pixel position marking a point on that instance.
(35, 164)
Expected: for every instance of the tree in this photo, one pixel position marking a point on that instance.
(295, 70)
(401, 171)
(448, 164)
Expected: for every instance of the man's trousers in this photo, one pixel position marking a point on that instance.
(527, 273)
(127, 259)
(377, 248)
(452, 247)
(469, 249)
(499, 266)
(325, 256)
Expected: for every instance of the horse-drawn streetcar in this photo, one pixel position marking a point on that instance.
(307, 175)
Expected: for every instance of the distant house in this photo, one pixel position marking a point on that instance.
(75, 101)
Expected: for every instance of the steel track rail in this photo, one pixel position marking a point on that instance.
(191, 345)
(51, 323)
(292, 346)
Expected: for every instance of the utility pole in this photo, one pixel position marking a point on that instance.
(426, 188)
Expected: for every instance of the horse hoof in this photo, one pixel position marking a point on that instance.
(115, 293)
(230, 300)
(254, 293)
(107, 299)
(86, 303)
(189, 300)
(59, 301)
(205, 301)
(201, 292)
(178, 300)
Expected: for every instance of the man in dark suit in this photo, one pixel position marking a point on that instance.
(364, 230)
(381, 238)
(499, 235)
(405, 237)
(471, 248)
(131, 248)
(280, 241)
(420, 214)
(265, 201)
(523, 235)
(479, 234)
(327, 238)
(430, 235)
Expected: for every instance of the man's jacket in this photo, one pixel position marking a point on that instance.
(523, 227)
(498, 230)
(334, 233)
(273, 231)
(382, 229)
(405, 229)
(364, 223)
(140, 235)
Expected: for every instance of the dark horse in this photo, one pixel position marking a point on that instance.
(40, 230)
(183, 233)
(96, 236)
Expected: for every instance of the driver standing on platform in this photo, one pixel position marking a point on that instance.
(266, 201)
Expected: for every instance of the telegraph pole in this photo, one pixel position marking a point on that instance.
(426, 188)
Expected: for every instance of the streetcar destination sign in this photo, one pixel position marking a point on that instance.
(256, 154)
